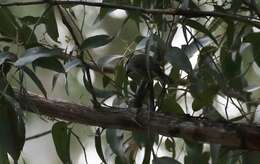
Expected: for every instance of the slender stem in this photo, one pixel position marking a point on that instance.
(188, 13)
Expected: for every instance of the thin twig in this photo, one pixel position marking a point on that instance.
(38, 135)
(183, 12)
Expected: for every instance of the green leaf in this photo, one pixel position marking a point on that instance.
(197, 26)
(165, 160)
(54, 81)
(33, 54)
(96, 41)
(169, 104)
(178, 58)
(72, 63)
(8, 26)
(35, 79)
(108, 60)
(27, 37)
(12, 130)
(51, 24)
(98, 146)
(61, 138)
(50, 63)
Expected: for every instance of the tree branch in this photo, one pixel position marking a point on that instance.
(186, 127)
(187, 13)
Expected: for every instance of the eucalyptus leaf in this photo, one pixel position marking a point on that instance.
(199, 27)
(51, 24)
(54, 81)
(96, 41)
(98, 146)
(8, 25)
(35, 53)
(50, 63)
(12, 130)
(27, 37)
(108, 60)
(61, 138)
(72, 63)
(35, 79)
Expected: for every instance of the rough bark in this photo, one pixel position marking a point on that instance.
(232, 135)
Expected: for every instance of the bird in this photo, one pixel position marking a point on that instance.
(142, 66)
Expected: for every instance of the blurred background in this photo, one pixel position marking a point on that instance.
(41, 150)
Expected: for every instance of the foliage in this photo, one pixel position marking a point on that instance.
(152, 74)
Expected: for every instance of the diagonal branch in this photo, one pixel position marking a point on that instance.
(186, 127)
(187, 13)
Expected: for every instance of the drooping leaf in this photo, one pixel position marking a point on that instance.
(165, 160)
(27, 37)
(176, 57)
(51, 24)
(12, 130)
(98, 146)
(35, 79)
(50, 63)
(33, 54)
(8, 26)
(96, 41)
(72, 64)
(61, 138)
(197, 26)
(54, 81)
(108, 60)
